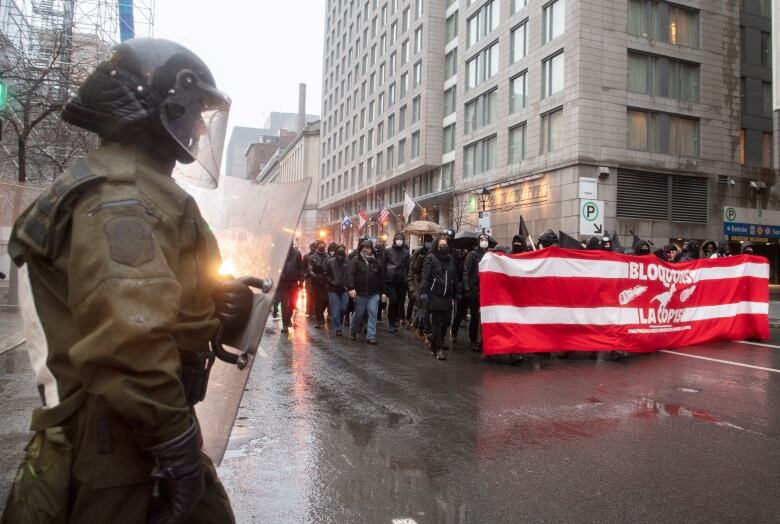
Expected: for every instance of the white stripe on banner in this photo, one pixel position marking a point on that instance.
(553, 267)
(582, 268)
(608, 316)
(749, 269)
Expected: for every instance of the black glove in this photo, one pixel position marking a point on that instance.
(179, 479)
(233, 302)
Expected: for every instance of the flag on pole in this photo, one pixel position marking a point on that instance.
(409, 205)
(363, 217)
(346, 222)
(384, 213)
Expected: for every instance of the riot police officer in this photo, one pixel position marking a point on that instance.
(118, 281)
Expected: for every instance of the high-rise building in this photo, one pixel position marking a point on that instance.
(546, 105)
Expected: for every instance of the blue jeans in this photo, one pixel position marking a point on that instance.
(365, 305)
(338, 306)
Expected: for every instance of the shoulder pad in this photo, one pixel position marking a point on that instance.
(33, 231)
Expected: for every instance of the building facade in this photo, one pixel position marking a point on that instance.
(298, 160)
(659, 105)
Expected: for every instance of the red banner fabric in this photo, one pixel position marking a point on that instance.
(562, 299)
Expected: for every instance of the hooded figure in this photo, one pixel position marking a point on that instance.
(332, 247)
(724, 250)
(690, 251)
(606, 243)
(518, 244)
(748, 248)
(548, 238)
(642, 248)
(439, 286)
(366, 284)
(471, 290)
(396, 262)
(709, 249)
(670, 253)
(420, 321)
(594, 244)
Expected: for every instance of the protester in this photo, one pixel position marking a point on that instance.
(748, 249)
(548, 239)
(594, 244)
(471, 290)
(338, 297)
(366, 281)
(710, 249)
(307, 280)
(518, 244)
(332, 248)
(642, 248)
(724, 250)
(461, 307)
(420, 322)
(289, 285)
(690, 251)
(606, 243)
(318, 262)
(438, 288)
(396, 263)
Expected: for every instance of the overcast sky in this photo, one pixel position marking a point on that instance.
(258, 50)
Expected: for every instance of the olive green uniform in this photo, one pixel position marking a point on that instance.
(119, 267)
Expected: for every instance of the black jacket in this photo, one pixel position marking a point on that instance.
(397, 261)
(293, 267)
(439, 281)
(337, 273)
(366, 276)
(414, 277)
(318, 262)
(471, 271)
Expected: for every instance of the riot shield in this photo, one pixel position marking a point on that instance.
(254, 225)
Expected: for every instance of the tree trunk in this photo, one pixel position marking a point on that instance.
(13, 275)
(21, 157)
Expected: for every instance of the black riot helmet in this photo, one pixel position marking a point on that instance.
(160, 96)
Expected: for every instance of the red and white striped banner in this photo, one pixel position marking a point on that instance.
(561, 299)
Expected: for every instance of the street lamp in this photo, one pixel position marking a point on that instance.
(484, 197)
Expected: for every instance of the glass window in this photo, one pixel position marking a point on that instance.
(451, 27)
(517, 144)
(552, 75)
(415, 109)
(401, 151)
(418, 8)
(683, 26)
(391, 125)
(379, 164)
(551, 131)
(369, 168)
(404, 84)
(415, 145)
(402, 118)
(405, 20)
(479, 157)
(766, 89)
(380, 132)
(449, 138)
(683, 81)
(417, 71)
(683, 136)
(449, 100)
(418, 36)
(766, 50)
(766, 150)
(517, 5)
(643, 131)
(446, 175)
(481, 111)
(519, 41)
(645, 20)
(451, 63)
(390, 157)
(370, 140)
(519, 92)
(405, 52)
(391, 95)
(482, 66)
(485, 20)
(553, 20)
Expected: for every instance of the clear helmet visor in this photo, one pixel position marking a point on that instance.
(196, 116)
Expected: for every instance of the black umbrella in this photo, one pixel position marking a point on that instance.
(470, 240)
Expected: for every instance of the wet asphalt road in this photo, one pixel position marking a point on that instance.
(338, 431)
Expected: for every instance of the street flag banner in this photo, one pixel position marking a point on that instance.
(384, 214)
(346, 222)
(362, 218)
(560, 299)
(409, 205)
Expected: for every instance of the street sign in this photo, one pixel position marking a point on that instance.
(591, 217)
(589, 188)
(484, 220)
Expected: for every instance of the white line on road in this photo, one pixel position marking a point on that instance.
(404, 521)
(719, 361)
(758, 344)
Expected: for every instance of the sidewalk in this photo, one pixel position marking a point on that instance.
(11, 333)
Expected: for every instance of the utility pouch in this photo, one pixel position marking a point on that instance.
(40, 490)
(195, 371)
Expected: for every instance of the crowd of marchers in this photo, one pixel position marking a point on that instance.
(431, 290)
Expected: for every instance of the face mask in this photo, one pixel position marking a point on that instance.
(341, 255)
(367, 253)
(444, 250)
(483, 244)
(399, 243)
